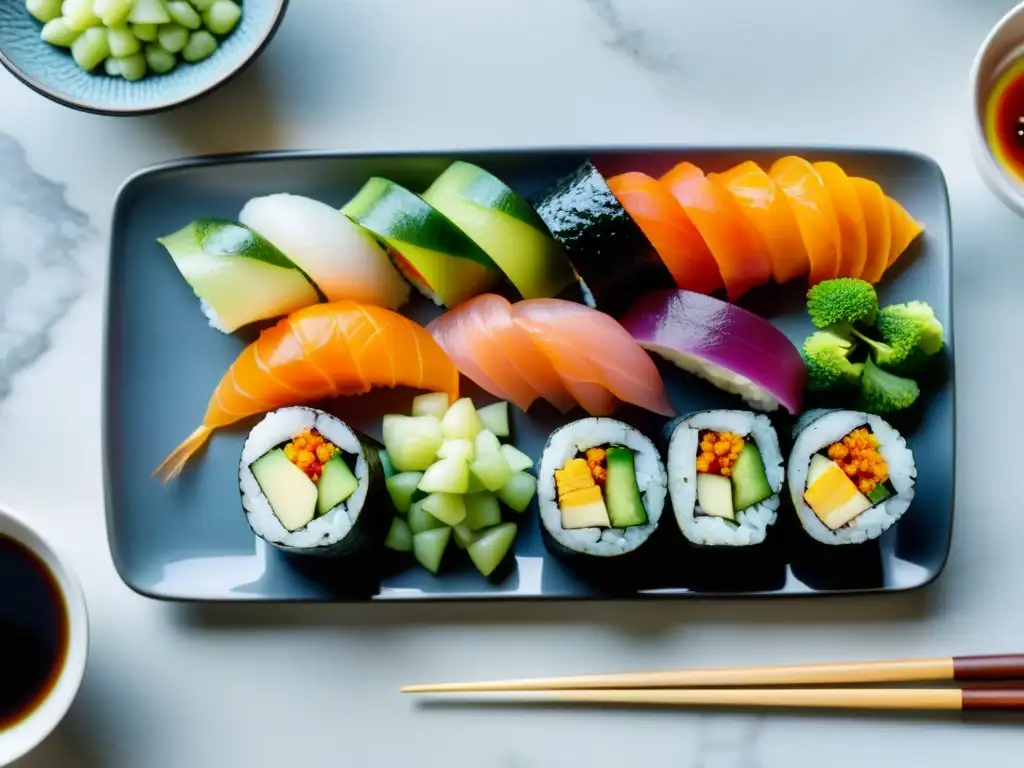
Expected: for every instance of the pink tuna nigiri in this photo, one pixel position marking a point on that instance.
(594, 355)
(497, 355)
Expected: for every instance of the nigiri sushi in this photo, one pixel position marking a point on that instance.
(237, 275)
(322, 351)
(342, 258)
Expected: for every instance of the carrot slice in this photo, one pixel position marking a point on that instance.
(739, 251)
(909, 228)
(768, 210)
(879, 229)
(850, 215)
(814, 212)
(670, 230)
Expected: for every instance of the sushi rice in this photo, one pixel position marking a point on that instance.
(322, 532)
(753, 522)
(651, 478)
(822, 428)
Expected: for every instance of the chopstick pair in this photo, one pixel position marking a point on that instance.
(752, 686)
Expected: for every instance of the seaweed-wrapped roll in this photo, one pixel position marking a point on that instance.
(851, 476)
(725, 475)
(311, 484)
(601, 489)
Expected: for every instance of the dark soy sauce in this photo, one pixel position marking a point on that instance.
(1005, 120)
(33, 632)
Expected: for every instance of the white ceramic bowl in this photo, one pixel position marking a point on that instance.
(21, 739)
(1004, 42)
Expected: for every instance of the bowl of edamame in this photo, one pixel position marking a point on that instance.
(132, 57)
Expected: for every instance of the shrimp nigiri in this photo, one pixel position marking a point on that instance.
(322, 351)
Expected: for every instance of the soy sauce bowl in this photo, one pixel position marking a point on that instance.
(1003, 44)
(50, 70)
(50, 701)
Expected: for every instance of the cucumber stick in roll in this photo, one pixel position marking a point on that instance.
(437, 257)
(238, 276)
(505, 226)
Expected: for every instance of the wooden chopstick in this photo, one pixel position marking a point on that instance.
(948, 699)
(952, 668)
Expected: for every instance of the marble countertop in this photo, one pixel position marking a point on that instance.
(176, 685)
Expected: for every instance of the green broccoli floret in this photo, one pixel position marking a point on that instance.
(883, 392)
(845, 300)
(913, 334)
(826, 356)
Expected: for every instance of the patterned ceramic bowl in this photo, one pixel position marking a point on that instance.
(52, 72)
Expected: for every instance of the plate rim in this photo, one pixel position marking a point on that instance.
(280, 155)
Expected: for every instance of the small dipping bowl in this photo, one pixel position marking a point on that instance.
(25, 733)
(1002, 47)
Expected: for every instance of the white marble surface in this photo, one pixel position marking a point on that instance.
(170, 686)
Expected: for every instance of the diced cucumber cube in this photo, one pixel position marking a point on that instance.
(461, 420)
(122, 42)
(492, 546)
(487, 442)
(402, 488)
(482, 510)
(411, 441)
(148, 12)
(446, 476)
(183, 13)
(400, 536)
(133, 68)
(431, 404)
(446, 507)
(463, 535)
(420, 520)
(112, 66)
(147, 33)
(173, 37)
(385, 462)
(517, 460)
(159, 60)
(57, 32)
(202, 5)
(90, 48)
(428, 547)
(492, 469)
(79, 15)
(112, 12)
(518, 491)
(201, 45)
(44, 10)
(221, 17)
(495, 418)
(457, 448)
(475, 486)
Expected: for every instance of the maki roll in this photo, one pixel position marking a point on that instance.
(613, 259)
(725, 475)
(851, 476)
(312, 485)
(601, 489)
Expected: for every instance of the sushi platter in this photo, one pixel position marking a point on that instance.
(530, 374)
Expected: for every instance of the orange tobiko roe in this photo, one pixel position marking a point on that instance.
(309, 451)
(718, 452)
(858, 456)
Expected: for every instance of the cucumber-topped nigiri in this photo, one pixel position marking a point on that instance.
(505, 226)
(238, 276)
(441, 260)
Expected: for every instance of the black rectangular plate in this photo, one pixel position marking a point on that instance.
(190, 541)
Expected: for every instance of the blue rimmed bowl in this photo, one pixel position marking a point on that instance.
(52, 72)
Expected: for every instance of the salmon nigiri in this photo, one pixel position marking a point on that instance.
(739, 251)
(322, 351)
(853, 231)
(875, 206)
(595, 356)
(814, 212)
(905, 229)
(670, 230)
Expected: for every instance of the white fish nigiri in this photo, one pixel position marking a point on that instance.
(343, 259)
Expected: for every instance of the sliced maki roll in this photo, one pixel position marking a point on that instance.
(505, 226)
(311, 484)
(613, 259)
(851, 476)
(725, 476)
(238, 276)
(601, 489)
(437, 257)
